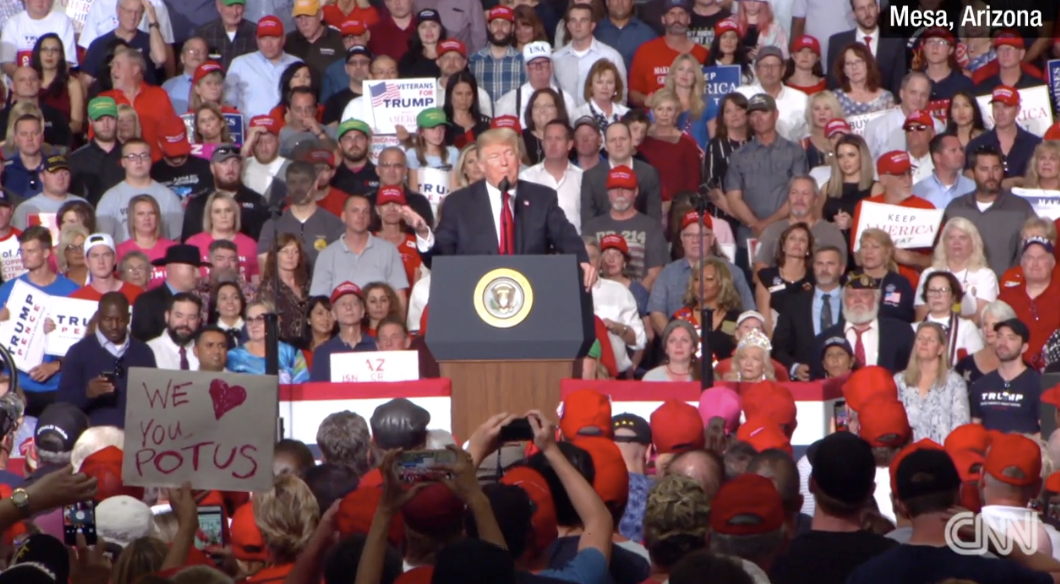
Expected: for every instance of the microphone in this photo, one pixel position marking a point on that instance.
(505, 185)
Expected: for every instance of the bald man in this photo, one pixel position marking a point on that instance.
(703, 466)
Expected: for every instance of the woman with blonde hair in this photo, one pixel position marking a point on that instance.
(211, 126)
(250, 356)
(711, 285)
(934, 396)
(1044, 170)
(142, 557)
(18, 110)
(221, 220)
(71, 257)
(128, 123)
(287, 514)
(605, 95)
(876, 257)
(686, 81)
(820, 148)
(960, 252)
(466, 170)
(984, 361)
(145, 232)
(669, 149)
(751, 361)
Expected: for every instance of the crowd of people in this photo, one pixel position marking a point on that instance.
(198, 168)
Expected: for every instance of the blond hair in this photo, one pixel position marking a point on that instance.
(125, 110)
(833, 102)
(200, 575)
(728, 298)
(226, 134)
(207, 216)
(287, 515)
(940, 259)
(884, 240)
(141, 557)
(1032, 179)
(67, 237)
(912, 369)
(834, 186)
(1042, 223)
(145, 198)
(461, 161)
(696, 103)
(22, 108)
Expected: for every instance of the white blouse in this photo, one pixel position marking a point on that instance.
(978, 284)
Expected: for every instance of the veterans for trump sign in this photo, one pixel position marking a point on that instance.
(909, 228)
(201, 427)
(1036, 111)
(397, 102)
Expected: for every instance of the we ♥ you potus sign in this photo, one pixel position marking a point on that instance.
(216, 430)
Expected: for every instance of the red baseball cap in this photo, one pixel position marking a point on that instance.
(611, 479)
(353, 28)
(614, 241)
(1053, 133)
(357, 510)
(622, 177)
(390, 194)
(1052, 482)
(806, 42)
(968, 437)
(434, 510)
(247, 542)
(105, 466)
(1007, 95)
(747, 505)
(884, 423)
(173, 138)
(725, 25)
(345, 288)
(267, 122)
(501, 12)
(205, 69)
(937, 32)
(676, 427)
(452, 45)
(894, 162)
(866, 383)
(764, 433)
(1014, 454)
(544, 518)
(769, 398)
(966, 462)
(319, 156)
(1008, 38)
(918, 118)
(585, 411)
(270, 26)
(922, 444)
(692, 218)
(835, 126)
(510, 122)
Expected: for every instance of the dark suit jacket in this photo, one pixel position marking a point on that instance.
(149, 313)
(793, 337)
(890, 56)
(896, 344)
(467, 226)
(594, 191)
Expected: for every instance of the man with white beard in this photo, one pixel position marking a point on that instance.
(877, 340)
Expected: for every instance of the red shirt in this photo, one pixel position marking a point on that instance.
(651, 64)
(1041, 315)
(87, 292)
(334, 201)
(811, 89)
(410, 257)
(390, 40)
(911, 202)
(153, 106)
(334, 16)
(678, 163)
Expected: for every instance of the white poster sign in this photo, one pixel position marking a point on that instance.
(22, 334)
(71, 318)
(380, 143)
(397, 102)
(434, 184)
(11, 259)
(216, 430)
(859, 122)
(1035, 110)
(1046, 203)
(909, 228)
(375, 366)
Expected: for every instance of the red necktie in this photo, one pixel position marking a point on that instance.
(184, 365)
(507, 246)
(859, 348)
(868, 44)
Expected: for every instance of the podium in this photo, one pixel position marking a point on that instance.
(506, 331)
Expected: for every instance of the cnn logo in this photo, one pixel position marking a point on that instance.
(970, 534)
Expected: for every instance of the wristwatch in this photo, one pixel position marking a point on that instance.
(20, 499)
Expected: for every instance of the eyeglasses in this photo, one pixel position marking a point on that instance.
(141, 157)
(853, 64)
(72, 247)
(259, 319)
(135, 269)
(938, 290)
(916, 128)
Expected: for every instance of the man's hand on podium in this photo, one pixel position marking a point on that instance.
(590, 275)
(415, 221)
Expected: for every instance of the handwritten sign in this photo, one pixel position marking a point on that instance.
(381, 142)
(1046, 203)
(721, 81)
(859, 122)
(11, 259)
(434, 184)
(397, 102)
(1035, 110)
(71, 322)
(375, 366)
(213, 429)
(22, 334)
(909, 228)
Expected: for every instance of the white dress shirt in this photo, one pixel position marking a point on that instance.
(923, 167)
(590, 109)
(613, 301)
(572, 67)
(425, 244)
(417, 302)
(870, 339)
(885, 133)
(791, 110)
(569, 189)
(873, 44)
(102, 18)
(508, 105)
(167, 353)
(117, 351)
(258, 177)
(882, 494)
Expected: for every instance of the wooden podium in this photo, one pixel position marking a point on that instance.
(506, 331)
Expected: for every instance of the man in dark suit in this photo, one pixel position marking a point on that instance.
(808, 314)
(483, 219)
(182, 264)
(889, 52)
(619, 147)
(877, 340)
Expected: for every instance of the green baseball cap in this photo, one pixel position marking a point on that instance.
(102, 106)
(431, 118)
(233, 2)
(354, 124)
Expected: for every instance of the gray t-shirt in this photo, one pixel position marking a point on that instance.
(644, 236)
(319, 230)
(824, 233)
(761, 173)
(379, 262)
(36, 205)
(112, 212)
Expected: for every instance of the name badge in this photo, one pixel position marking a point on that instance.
(777, 288)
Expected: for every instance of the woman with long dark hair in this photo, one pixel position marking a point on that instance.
(964, 119)
(58, 88)
(227, 306)
(544, 106)
(420, 59)
(463, 110)
(320, 326)
(860, 83)
(803, 70)
(792, 274)
(292, 297)
(297, 74)
(731, 132)
(726, 49)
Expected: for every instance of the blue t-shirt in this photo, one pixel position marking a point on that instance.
(452, 154)
(321, 370)
(62, 286)
(1007, 406)
(588, 567)
(920, 564)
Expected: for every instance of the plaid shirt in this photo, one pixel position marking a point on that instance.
(216, 39)
(498, 76)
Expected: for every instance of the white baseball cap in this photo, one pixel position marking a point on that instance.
(749, 314)
(537, 50)
(99, 239)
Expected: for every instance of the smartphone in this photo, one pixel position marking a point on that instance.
(79, 518)
(211, 527)
(110, 376)
(416, 466)
(839, 416)
(518, 430)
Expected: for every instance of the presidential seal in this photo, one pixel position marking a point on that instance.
(503, 298)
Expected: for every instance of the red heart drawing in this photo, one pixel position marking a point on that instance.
(226, 397)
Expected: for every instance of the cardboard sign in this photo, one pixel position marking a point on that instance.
(49, 220)
(216, 430)
(721, 81)
(71, 322)
(398, 102)
(11, 259)
(434, 184)
(1052, 69)
(77, 10)
(939, 109)
(380, 143)
(909, 228)
(1035, 110)
(375, 366)
(860, 122)
(1046, 203)
(22, 334)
